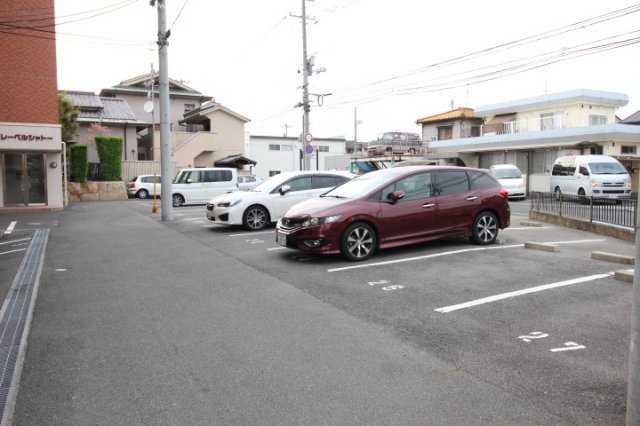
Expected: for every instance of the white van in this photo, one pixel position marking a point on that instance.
(590, 176)
(199, 185)
(511, 179)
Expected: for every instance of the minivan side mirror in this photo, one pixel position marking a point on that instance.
(284, 189)
(395, 196)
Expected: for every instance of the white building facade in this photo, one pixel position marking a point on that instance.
(278, 154)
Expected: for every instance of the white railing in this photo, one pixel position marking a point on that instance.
(533, 125)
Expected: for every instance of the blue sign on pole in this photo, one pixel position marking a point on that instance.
(309, 149)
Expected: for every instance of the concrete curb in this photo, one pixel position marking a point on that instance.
(541, 246)
(624, 276)
(612, 257)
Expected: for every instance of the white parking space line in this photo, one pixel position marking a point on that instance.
(276, 248)
(15, 241)
(447, 253)
(244, 234)
(576, 241)
(12, 251)
(516, 293)
(428, 256)
(9, 229)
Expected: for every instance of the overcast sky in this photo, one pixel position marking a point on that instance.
(395, 61)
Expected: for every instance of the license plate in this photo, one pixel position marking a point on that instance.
(281, 239)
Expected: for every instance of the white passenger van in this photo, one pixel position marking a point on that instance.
(199, 185)
(590, 176)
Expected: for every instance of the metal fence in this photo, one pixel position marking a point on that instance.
(592, 209)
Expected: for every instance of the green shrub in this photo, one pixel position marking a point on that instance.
(79, 158)
(110, 153)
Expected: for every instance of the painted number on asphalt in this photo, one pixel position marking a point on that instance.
(568, 346)
(388, 287)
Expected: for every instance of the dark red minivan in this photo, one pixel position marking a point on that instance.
(398, 206)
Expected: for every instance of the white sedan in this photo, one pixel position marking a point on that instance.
(267, 202)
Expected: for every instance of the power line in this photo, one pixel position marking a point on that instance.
(505, 46)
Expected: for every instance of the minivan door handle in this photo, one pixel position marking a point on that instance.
(472, 198)
(428, 205)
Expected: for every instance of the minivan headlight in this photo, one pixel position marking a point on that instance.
(315, 221)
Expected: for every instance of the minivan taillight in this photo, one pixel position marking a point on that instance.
(504, 193)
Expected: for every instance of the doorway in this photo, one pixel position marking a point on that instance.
(24, 179)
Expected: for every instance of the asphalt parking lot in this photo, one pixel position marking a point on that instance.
(544, 334)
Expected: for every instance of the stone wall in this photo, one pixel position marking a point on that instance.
(97, 191)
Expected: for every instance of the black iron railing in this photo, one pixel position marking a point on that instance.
(593, 209)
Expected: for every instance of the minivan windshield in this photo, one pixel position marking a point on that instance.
(507, 173)
(360, 186)
(608, 168)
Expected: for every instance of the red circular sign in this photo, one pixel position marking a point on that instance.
(308, 137)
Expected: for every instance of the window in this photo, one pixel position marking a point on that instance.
(415, 187)
(479, 180)
(300, 184)
(596, 120)
(325, 181)
(628, 149)
(286, 147)
(596, 150)
(445, 132)
(217, 175)
(189, 107)
(274, 172)
(451, 183)
(550, 121)
(475, 131)
(195, 176)
(274, 147)
(149, 179)
(323, 148)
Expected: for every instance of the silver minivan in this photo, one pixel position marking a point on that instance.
(590, 176)
(199, 185)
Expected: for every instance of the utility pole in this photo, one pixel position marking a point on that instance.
(166, 190)
(305, 85)
(633, 384)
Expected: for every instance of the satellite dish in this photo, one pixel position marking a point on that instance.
(148, 106)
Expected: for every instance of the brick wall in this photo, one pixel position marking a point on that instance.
(28, 77)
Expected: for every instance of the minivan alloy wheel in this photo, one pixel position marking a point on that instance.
(485, 228)
(358, 242)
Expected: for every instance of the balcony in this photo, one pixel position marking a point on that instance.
(542, 124)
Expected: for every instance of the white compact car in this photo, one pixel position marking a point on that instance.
(248, 182)
(143, 186)
(267, 202)
(511, 179)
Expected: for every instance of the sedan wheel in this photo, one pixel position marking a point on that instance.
(143, 193)
(255, 218)
(358, 242)
(178, 200)
(485, 229)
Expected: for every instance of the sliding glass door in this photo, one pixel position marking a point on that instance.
(24, 179)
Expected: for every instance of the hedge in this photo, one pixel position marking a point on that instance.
(79, 158)
(110, 153)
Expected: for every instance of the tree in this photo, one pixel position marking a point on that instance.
(68, 117)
